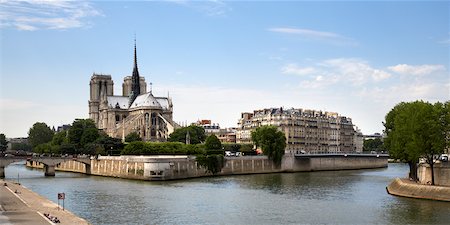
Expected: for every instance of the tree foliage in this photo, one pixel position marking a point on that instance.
(196, 133)
(164, 148)
(373, 145)
(213, 143)
(417, 129)
(106, 144)
(212, 163)
(39, 133)
(272, 142)
(82, 132)
(47, 148)
(133, 136)
(21, 146)
(3, 143)
(59, 138)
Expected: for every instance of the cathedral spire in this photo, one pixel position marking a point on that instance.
(135, 79)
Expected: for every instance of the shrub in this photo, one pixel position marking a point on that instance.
(212, 163)
(213, 143)
(165, 148)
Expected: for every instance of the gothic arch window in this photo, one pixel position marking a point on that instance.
(154, 119)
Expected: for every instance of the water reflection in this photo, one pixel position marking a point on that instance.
(336, 197)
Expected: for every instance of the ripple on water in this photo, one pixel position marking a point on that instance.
(330, 197)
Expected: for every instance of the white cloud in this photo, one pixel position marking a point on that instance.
(35, 15)
(305, 32)
(416, 69)
(406, 91)
(314, 34)
(356, 70)
(294, 69)
(345, 70)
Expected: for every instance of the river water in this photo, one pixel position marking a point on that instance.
(332, 197)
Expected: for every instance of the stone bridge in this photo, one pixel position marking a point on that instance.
(49, 163)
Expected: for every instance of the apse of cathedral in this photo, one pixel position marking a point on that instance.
(136, 110)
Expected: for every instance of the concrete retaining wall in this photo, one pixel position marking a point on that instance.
(181, 167)
(406, 188)
(441, 174)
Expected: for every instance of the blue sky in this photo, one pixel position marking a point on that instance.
(217, 59)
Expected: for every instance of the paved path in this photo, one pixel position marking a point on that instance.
(27, 207)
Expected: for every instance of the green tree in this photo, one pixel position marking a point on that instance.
(213, 143)
(133, 136)
(89, 136)
(3, 143)
(47, 148)
(81, 133)
(107, 144)
(212, 163)
(21, 146)
(373, 145)
(416, 129)
(59, 138)
(39, 133)
(272, 142)
(67, 148)
(197, 134)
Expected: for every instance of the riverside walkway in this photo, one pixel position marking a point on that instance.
(19, 205)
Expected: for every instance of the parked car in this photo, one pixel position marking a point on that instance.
(229, 153)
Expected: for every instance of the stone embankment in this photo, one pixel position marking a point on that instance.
(406, 188)
(182, 167)
(19, 205)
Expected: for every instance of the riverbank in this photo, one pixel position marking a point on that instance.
(166, 167)
(407, 188)
(19, 205)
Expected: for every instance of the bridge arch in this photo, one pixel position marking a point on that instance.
(49, 163)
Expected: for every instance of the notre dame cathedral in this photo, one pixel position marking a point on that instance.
(136, 110)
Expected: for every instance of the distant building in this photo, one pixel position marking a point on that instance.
(225, 135)
(63, 127)
(306, 131)
(11, 141)
(136, 110)
(373, 136)
(358, 140)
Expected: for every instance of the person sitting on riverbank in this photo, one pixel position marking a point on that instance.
(54, 219)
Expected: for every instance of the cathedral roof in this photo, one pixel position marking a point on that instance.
(117, 102)
(164, 102)
(146, 100)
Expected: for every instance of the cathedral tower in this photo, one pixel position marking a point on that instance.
(100, 87)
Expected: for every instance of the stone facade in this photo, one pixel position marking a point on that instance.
(136, 110)
(441, 173)
(307, 131)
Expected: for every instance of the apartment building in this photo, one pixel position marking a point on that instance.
(307, 131)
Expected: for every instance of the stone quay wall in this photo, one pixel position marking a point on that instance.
(406, 188)
(182, 167)
(441, 173)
